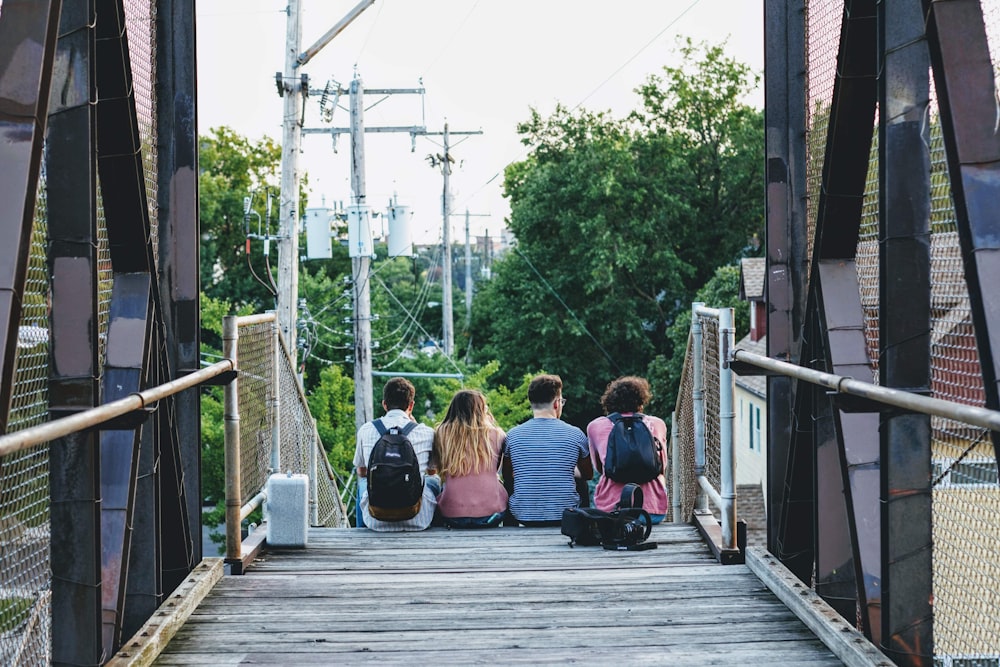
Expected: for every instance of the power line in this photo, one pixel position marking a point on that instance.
(569, 310)
(528, 149)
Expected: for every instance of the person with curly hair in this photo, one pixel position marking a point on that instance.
(627, 396)
(468, 447)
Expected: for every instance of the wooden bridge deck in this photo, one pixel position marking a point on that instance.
(503, 596)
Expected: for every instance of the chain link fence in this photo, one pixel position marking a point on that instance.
(25, 576)
(274, 412)
(683, 428)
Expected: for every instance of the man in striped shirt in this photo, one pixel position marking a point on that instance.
(543, 455)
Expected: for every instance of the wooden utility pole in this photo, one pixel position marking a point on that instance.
(447, 316)
(360, 247)
(293, 86)
(468, 266)
(290, 87)
(360, 266)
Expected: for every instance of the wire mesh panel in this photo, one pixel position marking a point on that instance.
(255, 362)
(267, 381)
(966, 496)
(683, 431)
(713, 435)
(141, 30)
(823, 22)
(684, 417)
(299, 438)
(25, 577)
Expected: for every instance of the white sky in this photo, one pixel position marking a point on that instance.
(483, 64)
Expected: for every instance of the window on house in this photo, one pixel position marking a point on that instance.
(756, 427)
(974, 472)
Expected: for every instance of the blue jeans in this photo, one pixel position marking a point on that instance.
(490, 521)
(432, 482)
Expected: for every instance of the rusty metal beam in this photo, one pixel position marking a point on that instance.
(74, 463)
(129, 333)
(131, 323)
(964, 81)
(179, 245)
(849, 473)
(905, 333)
(28, 35)
(786, 236)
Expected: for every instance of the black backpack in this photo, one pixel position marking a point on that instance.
(395, 487)
(633, 454)
(625, 529)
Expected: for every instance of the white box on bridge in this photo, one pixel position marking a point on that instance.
(288, 510)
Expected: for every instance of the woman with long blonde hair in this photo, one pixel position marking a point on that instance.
(468, 445)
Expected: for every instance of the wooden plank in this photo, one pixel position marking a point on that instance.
(157, 632)
(840, 636)
(509, 595)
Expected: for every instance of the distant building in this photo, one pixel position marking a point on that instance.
(750, 403)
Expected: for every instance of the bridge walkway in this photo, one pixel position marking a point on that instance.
(502, 596)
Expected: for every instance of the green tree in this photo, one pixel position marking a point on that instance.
(332, 406)
(664, 373)
(711, 145)
(232, 167)
(618, 222)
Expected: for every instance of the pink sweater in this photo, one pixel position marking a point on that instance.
(477, 495)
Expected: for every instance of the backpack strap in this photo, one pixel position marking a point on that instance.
(382, 430)
(632, 497)
(615, 417)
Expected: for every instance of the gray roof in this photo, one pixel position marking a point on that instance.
(755, 384)
(752, 271)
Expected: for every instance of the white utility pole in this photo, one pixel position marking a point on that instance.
(292, 91)
(360, 266)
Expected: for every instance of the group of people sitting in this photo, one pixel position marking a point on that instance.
(475, 475)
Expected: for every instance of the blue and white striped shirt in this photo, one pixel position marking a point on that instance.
(544, 451)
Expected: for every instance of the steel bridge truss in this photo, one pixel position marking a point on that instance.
(850, 499)
(97, 117)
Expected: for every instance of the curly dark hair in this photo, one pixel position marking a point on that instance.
(626, 394)
(398, 393)
(544, 389)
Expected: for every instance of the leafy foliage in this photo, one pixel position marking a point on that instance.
(722, 291)
(618, 222)
(232, 167)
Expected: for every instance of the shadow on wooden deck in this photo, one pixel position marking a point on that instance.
(501, 596)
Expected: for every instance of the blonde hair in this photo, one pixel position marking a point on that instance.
(462, 440)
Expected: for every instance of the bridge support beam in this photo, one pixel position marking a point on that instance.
(905, 333)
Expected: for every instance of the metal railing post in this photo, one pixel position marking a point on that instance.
(313, 474)
(698, 396)
(231, 418)
(727, 414)
(675, 473)
(275, 399)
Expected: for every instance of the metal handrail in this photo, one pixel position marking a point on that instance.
(982, 417)
(58, 428)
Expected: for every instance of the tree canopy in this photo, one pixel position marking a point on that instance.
(618, 223)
